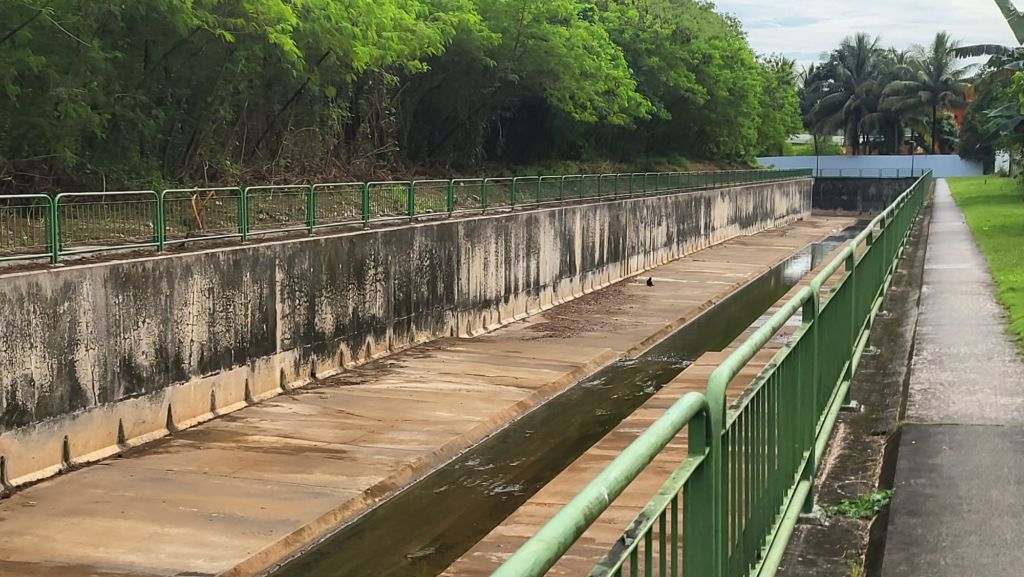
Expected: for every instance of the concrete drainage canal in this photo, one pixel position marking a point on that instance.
(430, 524)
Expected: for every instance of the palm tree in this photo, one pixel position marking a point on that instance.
(808, 81)
(845, 98)
(889, 123)
(938, 84)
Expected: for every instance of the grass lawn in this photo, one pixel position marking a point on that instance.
(994, 208)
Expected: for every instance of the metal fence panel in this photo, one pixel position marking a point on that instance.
(26, 228)
(201, 214)
(431, 197)
(498, 192)
(590, 186)
(338, 204)
(650, 182)
(608, 184)
(572, 187)
(551, 188)
(527, 189)
(389, 200)
(97, 221)
(467, 194)
(275, 209)
(623, 184)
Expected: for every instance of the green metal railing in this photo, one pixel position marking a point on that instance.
(730, 506)
(871, 172)
(26, 226)
(45, 226)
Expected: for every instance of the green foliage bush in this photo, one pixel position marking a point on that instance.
(864, 506)
(122, 94)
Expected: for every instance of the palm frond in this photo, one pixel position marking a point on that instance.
(976, 50)
(1013, 17)
(901, 88)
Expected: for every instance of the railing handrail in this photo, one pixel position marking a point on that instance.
(91, 194)
(555, 538)
(203, 189)
(323, 185)
(544, 549)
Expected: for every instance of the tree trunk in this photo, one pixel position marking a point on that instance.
(295, 95)
(936, 149)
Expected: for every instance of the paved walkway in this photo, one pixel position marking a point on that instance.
(236, 495)
(498, 546)
(959, 490)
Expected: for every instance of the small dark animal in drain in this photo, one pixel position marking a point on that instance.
(650, 281)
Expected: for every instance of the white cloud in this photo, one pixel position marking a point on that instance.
(804, 29)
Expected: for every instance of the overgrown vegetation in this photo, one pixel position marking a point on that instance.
(863, 507)
(100, 94)
(994, 208)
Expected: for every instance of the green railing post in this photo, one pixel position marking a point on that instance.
(243, 215)
(451, 197)
(411, 199)
(158, 222)
(483, 195)
(850, 266)
(702, 526)
(717, 384)
(54, 230)
(311, 209)
(366, 205)
(513, 194)
(809, 320)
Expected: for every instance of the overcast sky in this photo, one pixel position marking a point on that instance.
(803, 29)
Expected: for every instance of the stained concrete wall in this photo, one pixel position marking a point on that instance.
(862, 195)
(98, 358)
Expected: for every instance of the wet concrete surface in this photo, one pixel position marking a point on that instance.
(861, 455)
(236, 495)
(492, 480)
(484, 557)
(958, 495)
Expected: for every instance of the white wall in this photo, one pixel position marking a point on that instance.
(944, 165)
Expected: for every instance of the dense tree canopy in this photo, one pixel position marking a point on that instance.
(98, 93)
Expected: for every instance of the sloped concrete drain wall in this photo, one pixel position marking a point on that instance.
(98, 358)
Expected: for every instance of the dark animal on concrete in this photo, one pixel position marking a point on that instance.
(650, 281)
